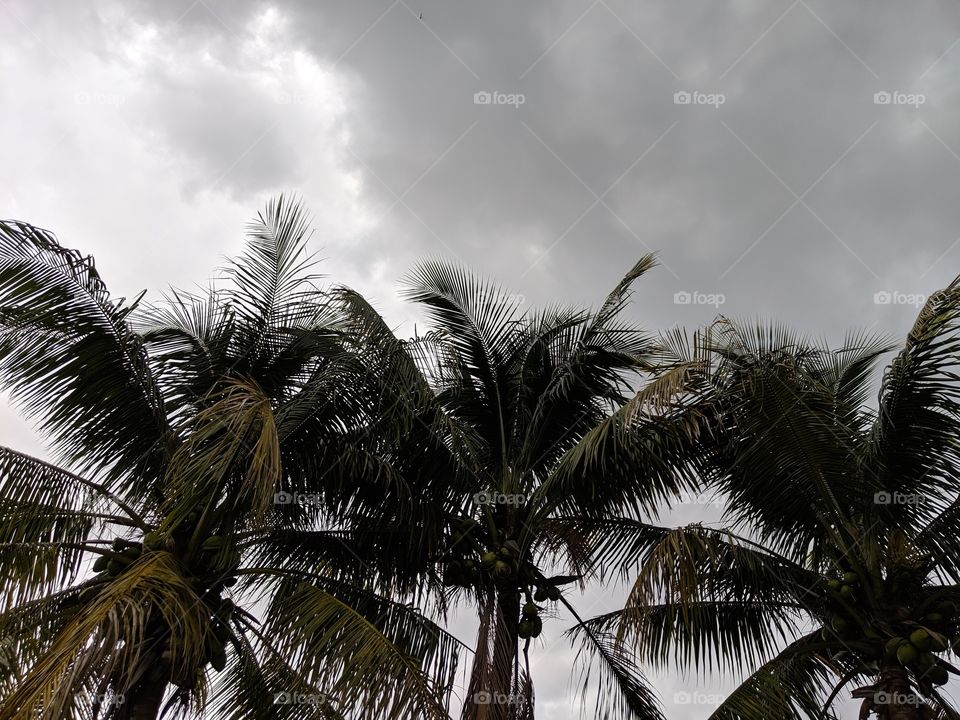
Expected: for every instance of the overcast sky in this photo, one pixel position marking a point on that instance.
(795, 159)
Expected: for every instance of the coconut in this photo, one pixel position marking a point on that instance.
(525, 629)
(839, 624)
(938, 675)
(847, 592)
(100, 564)
(833, 584)
(907, 654)
(553, 593)
(851, 578)
(536, 627)
(933, 618)
(540, 595)
(893, 644)
(947, 609)
(920, 639)
(502, 569)
(530, 609)
(218, 657)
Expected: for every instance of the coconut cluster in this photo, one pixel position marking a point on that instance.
(483, 559)
(215, 558)
(912, 641)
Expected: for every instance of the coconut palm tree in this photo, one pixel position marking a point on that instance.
(207, 456)
(838, 564)
(503, 404)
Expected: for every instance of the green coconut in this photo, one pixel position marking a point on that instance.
(525, 629)
(553, 593)
(933, 618)
(100, 564)
(851, 578)
(834, 584)
(907, 654)
(530, 609)
(502, 569)
(839, 624)
(892, 645)
(847, 592)
(920, 639)
(947, 609)
(540, 595)
(488, 559)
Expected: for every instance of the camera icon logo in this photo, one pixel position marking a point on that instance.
(682, 298)
(482, 697)
(882, 98)
(282, 498)
(482, 98)
(681, 97)
(483, 498)
(282, 698)
(882, 298)
(882, 498)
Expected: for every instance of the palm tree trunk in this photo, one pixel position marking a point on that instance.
(491, 679)
(504, 652)
(896, 699)
(143, 702)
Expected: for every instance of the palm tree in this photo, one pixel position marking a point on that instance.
(185, 436)
(838, 565)
(502, 408)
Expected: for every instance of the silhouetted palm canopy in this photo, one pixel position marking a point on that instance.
(174, 428)
(839, 564)
(508, 406)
